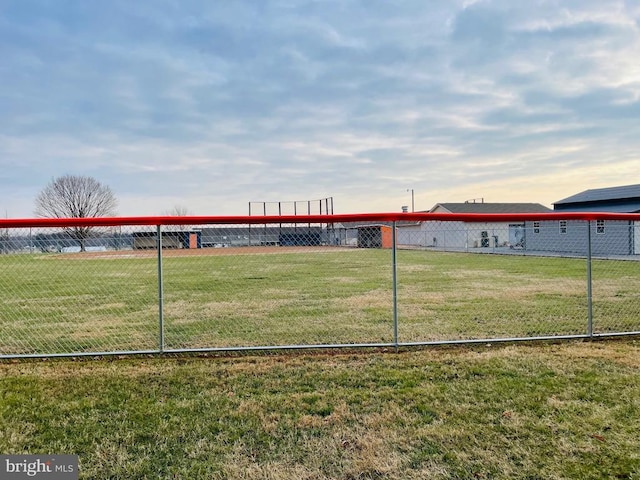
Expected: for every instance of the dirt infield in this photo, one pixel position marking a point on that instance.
(186, 252)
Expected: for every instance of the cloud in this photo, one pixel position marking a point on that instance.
(213, 104)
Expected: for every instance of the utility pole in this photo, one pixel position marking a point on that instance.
(413, 205)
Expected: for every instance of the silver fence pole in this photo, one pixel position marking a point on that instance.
(394, 260)
(160, 292)
(589, 283)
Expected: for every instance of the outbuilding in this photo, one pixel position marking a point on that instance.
(458, 235)
(608, 237)
(375, 236)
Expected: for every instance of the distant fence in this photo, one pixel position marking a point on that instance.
(190, 284)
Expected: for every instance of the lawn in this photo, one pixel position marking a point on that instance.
(525, 411)
(95, 303)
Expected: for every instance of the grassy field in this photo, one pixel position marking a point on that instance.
(525, 411)
(98, 302)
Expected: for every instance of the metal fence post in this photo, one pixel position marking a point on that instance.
(160, 292)
(394, 260)
(589, 283)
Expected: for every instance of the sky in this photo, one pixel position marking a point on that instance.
(211, 105)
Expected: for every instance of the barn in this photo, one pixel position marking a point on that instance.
(609, 237)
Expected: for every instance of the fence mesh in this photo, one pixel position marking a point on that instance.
(59, 299)
(471, 282)
(313, 284)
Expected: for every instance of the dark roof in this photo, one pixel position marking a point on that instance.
(400, 223)
(493, 207)
(611, 206)
(603, 195)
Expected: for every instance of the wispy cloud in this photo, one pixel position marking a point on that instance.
(213, 104)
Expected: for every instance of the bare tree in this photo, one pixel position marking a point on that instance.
(177, 211)
(73, 196)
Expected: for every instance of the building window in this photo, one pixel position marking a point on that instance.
(536, 227)
(600, 227)
(563, 227)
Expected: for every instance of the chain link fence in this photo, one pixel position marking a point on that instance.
(140, 288)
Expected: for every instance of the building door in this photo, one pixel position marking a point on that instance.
(636, 238)
(193, 240)
(516, 235)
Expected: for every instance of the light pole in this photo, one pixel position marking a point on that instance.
(413, 205)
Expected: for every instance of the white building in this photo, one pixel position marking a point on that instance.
(458, 235)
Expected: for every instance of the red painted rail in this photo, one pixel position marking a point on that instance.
(344, 218)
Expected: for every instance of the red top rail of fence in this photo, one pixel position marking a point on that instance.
(362, 218)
